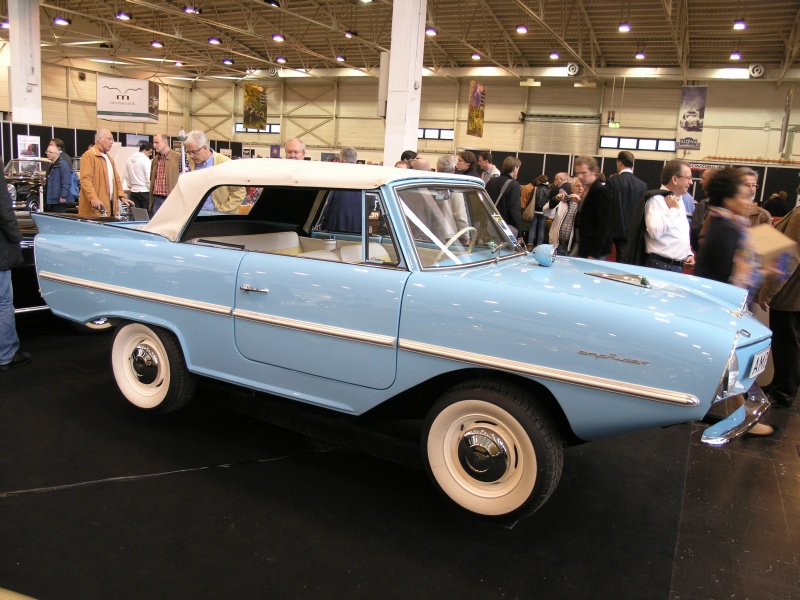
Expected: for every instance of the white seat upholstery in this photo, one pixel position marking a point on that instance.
(320, 255)
(352, 253)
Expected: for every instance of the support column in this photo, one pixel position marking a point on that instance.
(26, 62)
(405, 79)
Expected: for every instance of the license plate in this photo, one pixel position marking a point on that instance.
(759, 363)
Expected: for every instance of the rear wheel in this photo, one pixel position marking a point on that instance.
(150, 368)
(491, 450)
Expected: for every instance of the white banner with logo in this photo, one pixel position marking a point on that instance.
(122, 99)
(690, 117)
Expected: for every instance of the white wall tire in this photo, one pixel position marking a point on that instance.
(150, 369)
(490, 451)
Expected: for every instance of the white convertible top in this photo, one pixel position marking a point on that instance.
(182, 202)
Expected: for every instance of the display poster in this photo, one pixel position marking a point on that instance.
(123, 99)
(275, 151)
(28, 145)
(691, 116)
(255, 106)
(477, 103)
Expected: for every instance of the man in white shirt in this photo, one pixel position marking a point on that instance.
(137, 175)
(667, 229)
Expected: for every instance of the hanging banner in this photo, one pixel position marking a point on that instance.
(255, 106)
(477, 103)
(691, 115)
(122, 99)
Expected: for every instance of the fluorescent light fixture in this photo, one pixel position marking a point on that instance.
(736, 55)
(124, 16)
(191, 10)
(350, 34)
(178, 63)
(476, 56)
(157, 44)
(274, 3)
(555, 55)
(5, 25)
(278, 37)
(281, 59)
(430, 31)
(522, 28)
(624, 27)
(63, 21)
(640, 55)
(214, 40)
(340, 58)
(227, 61)
(739, 24)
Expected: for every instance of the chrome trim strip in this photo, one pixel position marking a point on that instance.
(19, 311)
(338, 332)
(581, 379)
(217, 309)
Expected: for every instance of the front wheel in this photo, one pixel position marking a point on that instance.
(491, 450)
(150, 368)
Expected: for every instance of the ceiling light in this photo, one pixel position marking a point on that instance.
(736, 55)
(280, 59)
(555, 55)
(431, 31)
(624, 27)
(214, 40)
(5, 25)
(156, 44)
(476, 56)
(640, 55)
(178, 63)
(350, 34)
(522, 28)
(365, 1)
(124, 16)
(340, 58)
(274, 3)
(278, 37)
(739, 24)
(62, 21)
(191, 10)
(227, 61)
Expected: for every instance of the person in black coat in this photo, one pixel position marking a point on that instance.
(627, 190)
(504, 192)
(594, 219)
(10, 256)
(467, 164)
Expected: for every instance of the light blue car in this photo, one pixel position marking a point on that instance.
(358, 288)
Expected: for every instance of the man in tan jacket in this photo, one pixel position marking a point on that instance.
(100, 183)
(224, 199)
(163, 172)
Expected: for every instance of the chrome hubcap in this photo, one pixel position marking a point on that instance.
(144, 360)
(483, 455)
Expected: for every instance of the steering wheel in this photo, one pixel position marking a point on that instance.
(453, 240)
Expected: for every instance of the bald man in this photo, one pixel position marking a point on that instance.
(100, 182)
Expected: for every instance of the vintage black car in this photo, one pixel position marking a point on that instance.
(26, 178)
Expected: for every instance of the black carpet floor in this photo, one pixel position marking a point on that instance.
(98, 501)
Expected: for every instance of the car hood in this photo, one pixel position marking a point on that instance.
(640, 288)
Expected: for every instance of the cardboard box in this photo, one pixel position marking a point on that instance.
(769, 243)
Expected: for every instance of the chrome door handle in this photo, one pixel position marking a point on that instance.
(250, 288)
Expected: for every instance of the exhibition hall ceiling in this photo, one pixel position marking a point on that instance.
(683, 36)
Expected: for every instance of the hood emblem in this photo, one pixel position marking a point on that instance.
(613, 357)
(637, 280)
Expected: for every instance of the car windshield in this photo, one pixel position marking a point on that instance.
(25, 167)
(454, 226)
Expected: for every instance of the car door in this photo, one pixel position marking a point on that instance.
(321, 317)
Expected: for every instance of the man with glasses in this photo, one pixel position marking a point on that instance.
(101, 188)
(224, 199)
(666, 235)
(758, 215)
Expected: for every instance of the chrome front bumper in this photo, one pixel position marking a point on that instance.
(740, 421)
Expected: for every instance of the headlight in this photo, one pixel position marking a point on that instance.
(729, 384)
(12, 191)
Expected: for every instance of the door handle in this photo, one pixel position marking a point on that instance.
(250, 288)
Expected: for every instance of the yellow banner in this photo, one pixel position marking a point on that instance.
(477, 102)
(255, 106)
